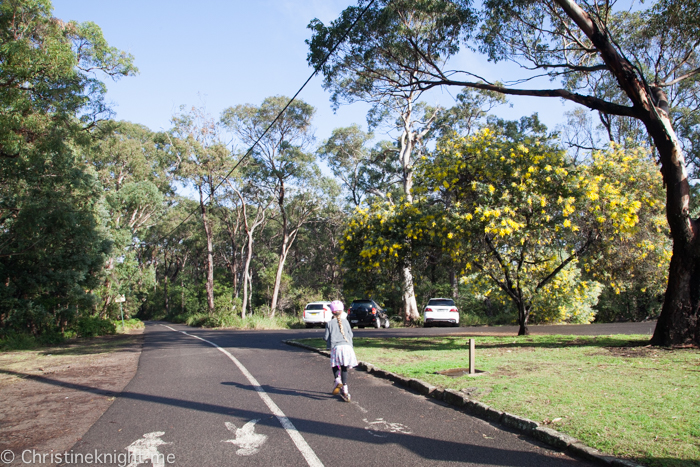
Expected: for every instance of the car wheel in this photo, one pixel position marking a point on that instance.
(309, 325)
(387, 323)
(427, 325)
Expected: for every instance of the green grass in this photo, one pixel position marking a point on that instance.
(614, 393)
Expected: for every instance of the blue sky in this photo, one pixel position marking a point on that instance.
(222, 53)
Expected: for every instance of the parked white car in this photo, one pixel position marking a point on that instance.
(317, 314)
(439, 311)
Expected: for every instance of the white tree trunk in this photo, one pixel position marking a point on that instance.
(278, 276)
(410, 308)
(246, 277)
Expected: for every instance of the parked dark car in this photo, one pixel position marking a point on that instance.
(367, 313)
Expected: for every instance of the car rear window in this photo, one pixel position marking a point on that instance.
(362, 303)
(441, 302)
(314, 306)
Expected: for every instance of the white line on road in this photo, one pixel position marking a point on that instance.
(299, 440)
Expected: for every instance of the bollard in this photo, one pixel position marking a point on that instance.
(472, 355)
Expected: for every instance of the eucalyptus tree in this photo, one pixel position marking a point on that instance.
(640, 65)
(364, 171)
(250, 196)
(346, 153)
(281, 163)
(136, 169)
(52, 236)
(169, 249)
(205, 159)
(366, 67)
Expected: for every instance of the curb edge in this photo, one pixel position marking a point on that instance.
(479, 409)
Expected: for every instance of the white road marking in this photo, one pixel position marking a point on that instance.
(299, 440)
(362, 409)
(381, 428)
(146, 449)
(247, 440)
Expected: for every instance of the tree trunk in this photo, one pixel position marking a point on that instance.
(210, 254)
(278, 276)
(454, 283)
(410, 308)
(408, 140)
(679, 323)
(182, 296)
(246, 277)
(523, 316)
(165, 294)
(283, 251)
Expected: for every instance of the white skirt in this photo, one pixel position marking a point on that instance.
(343, 355)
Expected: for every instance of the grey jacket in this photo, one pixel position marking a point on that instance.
(334, 337)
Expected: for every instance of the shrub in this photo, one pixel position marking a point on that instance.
(133, 323)
(91, 326)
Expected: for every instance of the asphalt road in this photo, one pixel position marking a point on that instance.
(215, 398)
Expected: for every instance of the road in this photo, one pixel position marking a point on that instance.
(215, 398)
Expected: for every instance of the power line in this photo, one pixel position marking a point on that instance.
(250, 150)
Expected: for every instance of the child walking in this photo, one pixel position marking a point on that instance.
(338, 339)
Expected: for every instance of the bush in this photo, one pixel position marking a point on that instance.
(133, 323)
(89, 326)
(13, 340)
(18, 341)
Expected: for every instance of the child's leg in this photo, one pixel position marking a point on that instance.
(338, 384)
(345, 392)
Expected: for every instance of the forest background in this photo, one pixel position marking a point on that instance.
(517, 222)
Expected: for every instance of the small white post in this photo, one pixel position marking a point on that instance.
(121, 299)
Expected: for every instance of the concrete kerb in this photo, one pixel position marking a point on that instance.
(483, 411)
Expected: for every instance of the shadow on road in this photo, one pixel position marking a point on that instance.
(315, 395)
(427, 448)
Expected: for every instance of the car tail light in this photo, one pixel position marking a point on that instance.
(428, 309)
(454, 309)
(374, 312)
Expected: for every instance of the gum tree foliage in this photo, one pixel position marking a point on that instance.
(364, 68)
(136, 168)
(204, 161)
(363, 171)
(53, 240)
(281, 164)
(641, 66)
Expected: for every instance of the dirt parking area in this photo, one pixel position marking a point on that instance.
(52, 396)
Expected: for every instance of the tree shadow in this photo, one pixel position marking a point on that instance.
(96, 345)
(460, 343)
(315, 395)
(422, 446)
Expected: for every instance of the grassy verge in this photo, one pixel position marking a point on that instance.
(614, 393)
(84, 328)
